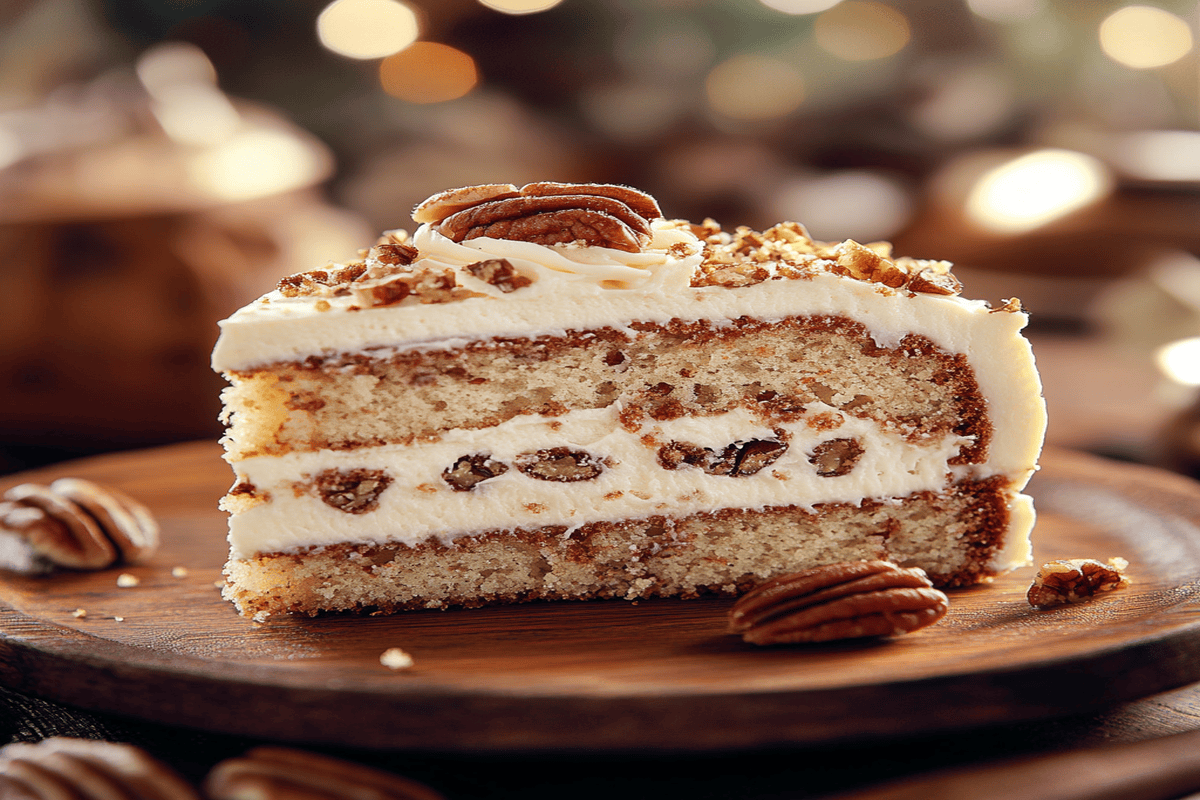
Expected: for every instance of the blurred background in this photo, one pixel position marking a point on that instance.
(163, 162)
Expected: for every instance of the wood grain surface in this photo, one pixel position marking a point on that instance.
(612, 676)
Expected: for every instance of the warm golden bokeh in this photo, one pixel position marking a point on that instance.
(1143, 37)
(428, 72)
(751, 87)
(857, 30)
(367, 28)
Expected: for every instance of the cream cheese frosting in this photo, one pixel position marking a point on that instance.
(419, 504)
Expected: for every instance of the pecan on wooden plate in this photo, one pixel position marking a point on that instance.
(847, 600)
(1074, 580)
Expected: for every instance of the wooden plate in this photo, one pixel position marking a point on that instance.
(612, 676)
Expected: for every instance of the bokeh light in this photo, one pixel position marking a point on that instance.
(1035, 189)
(1160, 155)
(254, 163)
(520, 6)
(367, 28)
(1143, 37)
(854, 204)
(858, 30)
(187, 103)
(797, 7)
(428, 72)
(754, 88)
(1180, 361)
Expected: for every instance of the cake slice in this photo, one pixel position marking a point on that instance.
(552, 392)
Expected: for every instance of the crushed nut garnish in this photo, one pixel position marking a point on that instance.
(396, 658)
(1074, 580)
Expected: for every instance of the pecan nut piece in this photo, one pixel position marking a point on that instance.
(127, 523)
(280, 773)
(641, 203)
(1074, 580)
(77, 541)
(83, 769)
(839, 601)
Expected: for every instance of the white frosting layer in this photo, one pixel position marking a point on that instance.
(419, 504)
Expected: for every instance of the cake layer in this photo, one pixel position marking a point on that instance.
(778, 370)
(579, 468)
(955, 535)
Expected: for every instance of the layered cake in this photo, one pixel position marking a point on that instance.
(552, 392)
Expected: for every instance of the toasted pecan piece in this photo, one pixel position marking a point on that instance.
(1073, 580)
(439, 206)
(280, 773)
(839, 601)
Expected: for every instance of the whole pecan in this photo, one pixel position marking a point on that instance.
(600, 215)
(83, 769)
(838, 601)
(280, 773)
(75, 523)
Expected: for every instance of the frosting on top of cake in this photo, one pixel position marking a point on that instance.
(558, 260)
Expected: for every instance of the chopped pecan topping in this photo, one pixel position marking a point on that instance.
(395, 253)
(321, 282)
(280, 773)
(835, 457)
(868, 264)
(59, 768)
(355, 491)
(379, 288)
(839, 601)
(560, 464)
(499, 272)
(470, 471)
(1075, 580)
(736, 460)
(76, 524)
(932, 278)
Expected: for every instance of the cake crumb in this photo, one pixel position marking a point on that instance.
(179, 572)
(79, 613)
(396, 659)
(118, 619)
(128, 580)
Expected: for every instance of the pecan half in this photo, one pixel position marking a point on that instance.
(61, 768)
(127, 523)
(470, 471)
(280, 773)
(1074, 580)
(547, 213)
(560, 464)
(835, 457)
(839, 601)
(355, 491)
(63, 534)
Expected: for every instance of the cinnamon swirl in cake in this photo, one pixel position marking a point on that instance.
(552, 392)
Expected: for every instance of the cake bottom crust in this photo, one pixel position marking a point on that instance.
(953, 536)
